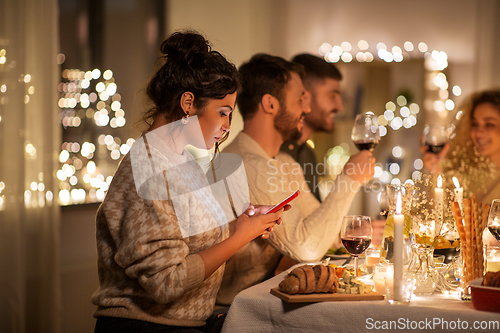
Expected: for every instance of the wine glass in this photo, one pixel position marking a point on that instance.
(435, 137)
(365, 132)
(356, 235)
(494, 219)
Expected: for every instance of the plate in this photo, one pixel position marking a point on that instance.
(337, 256)
(326, 297)
(484, 298)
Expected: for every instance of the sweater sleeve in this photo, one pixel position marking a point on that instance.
(310, 227)
(149, 244)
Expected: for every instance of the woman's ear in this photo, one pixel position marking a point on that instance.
(187, 103)
(270, 104)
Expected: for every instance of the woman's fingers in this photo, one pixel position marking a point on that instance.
(250, 211)
(262, 209)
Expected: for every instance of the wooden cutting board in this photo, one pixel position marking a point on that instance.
(327, 297)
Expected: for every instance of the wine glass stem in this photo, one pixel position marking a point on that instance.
(356, 265)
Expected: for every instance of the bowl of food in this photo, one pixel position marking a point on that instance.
(485, 292)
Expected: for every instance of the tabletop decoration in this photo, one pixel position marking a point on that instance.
(432, 228)
(470, 226)
(459, 193)
(398, 249)
(406, 191)
(473, 170)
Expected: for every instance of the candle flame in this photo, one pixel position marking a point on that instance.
(398, 204)
(439, 182)
(455, 181)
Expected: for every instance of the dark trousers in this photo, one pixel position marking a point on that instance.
(124, 325)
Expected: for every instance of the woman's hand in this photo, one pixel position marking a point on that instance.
(361, 166)
(248, 226)
(255, 222)
(254, 210)
(432, 161)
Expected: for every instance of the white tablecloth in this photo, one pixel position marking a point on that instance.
(256, 310)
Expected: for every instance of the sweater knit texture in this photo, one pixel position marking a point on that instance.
(148, 264)
(308, 229)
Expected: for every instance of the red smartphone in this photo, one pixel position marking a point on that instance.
(283, 203)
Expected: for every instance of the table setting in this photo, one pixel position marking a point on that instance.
(431, 272)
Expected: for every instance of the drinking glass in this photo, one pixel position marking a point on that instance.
(494, 219)
(372, 257)
(435, 137)
(356, 235)
(365, 132)
(491, 258)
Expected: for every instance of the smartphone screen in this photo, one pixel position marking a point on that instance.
(283, 203)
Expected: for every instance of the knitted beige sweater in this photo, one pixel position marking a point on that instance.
(147, 269)
(308, 230)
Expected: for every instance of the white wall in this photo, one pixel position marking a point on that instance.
(466, 30)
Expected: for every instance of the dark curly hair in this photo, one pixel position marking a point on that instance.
(190, 64)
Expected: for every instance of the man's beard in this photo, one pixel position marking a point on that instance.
(286, 125)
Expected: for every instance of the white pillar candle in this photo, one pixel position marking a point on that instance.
(399, 221)
(438, 198)
(459, 193)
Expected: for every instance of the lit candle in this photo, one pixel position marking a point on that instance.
(459, 193)
(438, 198)
(399, 221)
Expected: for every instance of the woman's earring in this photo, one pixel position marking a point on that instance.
(184, 120)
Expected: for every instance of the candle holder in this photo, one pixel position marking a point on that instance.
(406, 191)
(424, 271)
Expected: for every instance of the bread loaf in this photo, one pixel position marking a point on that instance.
(308, 279)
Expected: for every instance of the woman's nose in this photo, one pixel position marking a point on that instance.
(226, 127)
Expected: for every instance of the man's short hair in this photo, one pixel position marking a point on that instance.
(316, 68)
(263, 74)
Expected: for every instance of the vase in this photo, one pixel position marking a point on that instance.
(407, 191)
(424, 271)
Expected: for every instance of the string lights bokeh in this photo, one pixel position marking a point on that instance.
(398, 114)
(35, 194)
(89, 99)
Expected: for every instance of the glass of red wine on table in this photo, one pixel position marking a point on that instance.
(356, 235)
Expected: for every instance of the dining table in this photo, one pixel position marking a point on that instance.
(257, 310)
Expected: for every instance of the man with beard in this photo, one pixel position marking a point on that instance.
(273, 103)
(322, 81)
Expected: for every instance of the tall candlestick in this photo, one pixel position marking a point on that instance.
(438, 198)
(459, 193)
(399, 221)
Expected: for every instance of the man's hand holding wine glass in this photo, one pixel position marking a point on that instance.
(360, 167)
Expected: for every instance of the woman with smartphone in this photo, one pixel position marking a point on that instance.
(162, 236)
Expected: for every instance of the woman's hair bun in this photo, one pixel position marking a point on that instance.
(181, 45)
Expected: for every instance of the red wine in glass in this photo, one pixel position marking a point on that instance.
(366, 145)
(495, 231)
(356, 235)
(435, 137)
(435, 148)
(356, 245)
